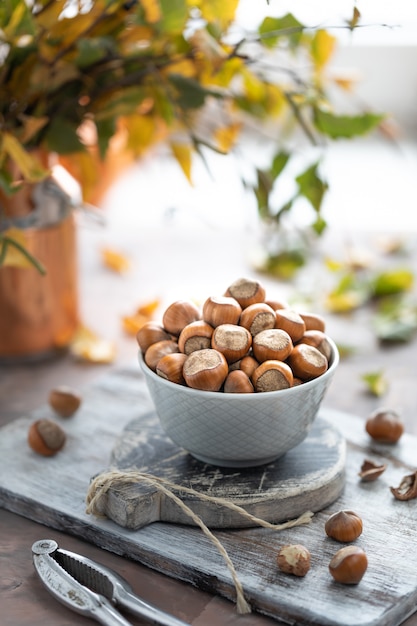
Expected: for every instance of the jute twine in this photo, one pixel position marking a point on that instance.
(114, 479)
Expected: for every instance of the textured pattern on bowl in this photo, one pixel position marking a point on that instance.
(238, 430)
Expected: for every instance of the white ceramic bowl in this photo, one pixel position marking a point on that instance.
(238, 429)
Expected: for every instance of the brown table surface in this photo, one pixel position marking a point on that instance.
(25, 387)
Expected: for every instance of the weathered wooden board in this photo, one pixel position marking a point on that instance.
(309, 477)
(52, 491)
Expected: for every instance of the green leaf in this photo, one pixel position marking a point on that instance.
(311, 186)
(376, 383)
(262, 192)
(92, 50)
(284, 265)
(273, 28)
(336, 126)
(395, 320)
(279, 162)
(175, 15)
(392, 282)
(62, 137)
(190, 94)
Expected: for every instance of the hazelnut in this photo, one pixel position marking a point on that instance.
(248, 365)
(273, 344)
(150, 333)
(319, 340)
(238, 382)
(178, 315)
(344, 526)
(313, 321)
(157, 350)
(291, 322)
(64, 401)
(348, 565)
(246, 291)
(294, 559)
(195, 336)
(221, 310)
(307, 362)
(277, 304)
(272, 376)
(170, 367)
(205, 369)
(257, 317)
(232, 341)
(384, 426)
(46, 437)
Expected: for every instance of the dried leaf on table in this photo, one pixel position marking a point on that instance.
(87, 346)
(144, 313)
(376, 383)
(115, 260)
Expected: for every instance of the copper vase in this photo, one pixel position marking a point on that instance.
(39, 313)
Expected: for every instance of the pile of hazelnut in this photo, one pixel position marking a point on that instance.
(239, 342)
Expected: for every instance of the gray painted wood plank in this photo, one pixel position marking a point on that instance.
(52, 491)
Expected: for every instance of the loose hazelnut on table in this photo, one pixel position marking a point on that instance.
(272, 376)
(150, 333)
(205, 369)
(344, 526)
(257, 317)
(291, 322)
(307, 362)
(64, 401)
(238, 382)
(384, 426)
(170, 367)
(157, 350)
(370, 471)
(231, 340)
(178, 315)
(294, 559)
(195, 336)
(272, 344)
(246, 291)
(349, 565)
(221, 310)
(46, 437)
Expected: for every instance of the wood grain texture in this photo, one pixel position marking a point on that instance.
(53, 491)
(309, 477)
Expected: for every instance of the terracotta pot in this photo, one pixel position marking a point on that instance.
(39, 313)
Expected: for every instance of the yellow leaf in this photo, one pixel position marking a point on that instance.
(144, 313)
(143, 131)
(222, 11)
(226, 137)
(28, 165)
(115, 260)
(152, 10)
(32, 125)
(322, 47)
(133, 323)
(14, 257)
(148, 308)
(343, 302)
(87, 346)
(182, 152)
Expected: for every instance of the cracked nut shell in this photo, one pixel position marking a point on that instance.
(294, 559)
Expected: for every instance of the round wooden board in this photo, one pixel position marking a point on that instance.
(309, 477)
